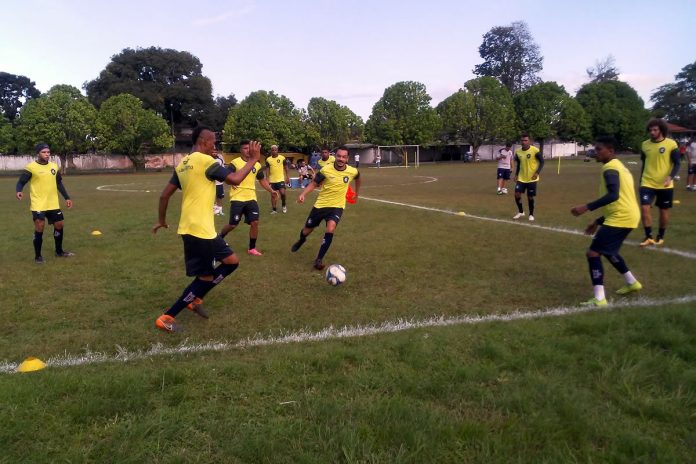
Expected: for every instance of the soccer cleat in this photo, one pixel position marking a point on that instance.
(167, 323)
(531, 217)
(274, 211)
(499, 192)
(65, 254)
(659, 241)
(318, 265)
(296, 246)
(626, 289)
(197, 307)
(504, 191)
(647, 242)
(254, 252)
(518, 215)
(285, 209)
(595, 302)
(39, 260)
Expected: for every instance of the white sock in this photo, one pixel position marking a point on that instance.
(599, 292)
(630, 280)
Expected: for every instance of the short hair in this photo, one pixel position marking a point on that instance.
(657, 122)
(524, 135)
(508, 145)
(342, 147)
(196, 134)
(606, 140)
(274, 146)
(325, 148)
(244, 142)
(41, 146)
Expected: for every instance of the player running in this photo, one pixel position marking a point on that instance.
(277, 172)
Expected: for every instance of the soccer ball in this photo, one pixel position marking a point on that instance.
(336, 274)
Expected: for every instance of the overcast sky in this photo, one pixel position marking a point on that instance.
(346, 50)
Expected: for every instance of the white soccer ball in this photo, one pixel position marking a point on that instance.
(336, 274)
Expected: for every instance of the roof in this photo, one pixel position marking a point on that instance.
(675, 128)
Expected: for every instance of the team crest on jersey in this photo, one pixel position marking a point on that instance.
(345, 179)
(253, 169)
(53, 171)
(277, 161)
(662, 149)
(236, 217)
(529, 155)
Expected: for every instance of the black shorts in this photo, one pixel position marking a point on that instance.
(503, 174)
(278, 185)
(323, 214)
(608, 240)
(662, 197)
(692, 169)
(220, 191)
(529, 187)
(53, 215)
(250, 210)
(200, 254)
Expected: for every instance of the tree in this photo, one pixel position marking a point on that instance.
(221, 109)
(546, 111)
(267, 117)
(482, 112)
(403, 116)
(676, 101)
(170, 82)
(510, 55)
(62, 118)
(7, 142)
(124, 126)
(332, 123)
(15, 91)
(603, 70)
(614, 108)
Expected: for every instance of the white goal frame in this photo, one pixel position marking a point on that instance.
(416, 161)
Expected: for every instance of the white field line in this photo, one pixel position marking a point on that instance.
(524, 223)
(333, 333)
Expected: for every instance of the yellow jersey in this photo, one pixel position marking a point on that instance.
(246, 190)
(334, 185)
(198, 190)
(657, 163)
(276, 169)
(329, 161)
(625, 211)
(528, 162)
(43, 186)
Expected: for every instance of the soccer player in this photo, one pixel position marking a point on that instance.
(326, 158)
(334, 180)
(529, 162)
(219, 186)
(243, 198)
(661, 160)
(277, 172)
(45, 182)
(691, 157)
(504, 168)
(621, 216)
(195, 176)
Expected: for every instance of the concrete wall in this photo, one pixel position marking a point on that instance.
(92, 162)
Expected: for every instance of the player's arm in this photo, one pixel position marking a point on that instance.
(517, 166)
(236, 177)
(316, 182)
(642, 163)
(540, 157)
(265, 184)
(285, 169)
(166, 194)
(357, 186)
(676, 164)
(63, 191)
(21, 182)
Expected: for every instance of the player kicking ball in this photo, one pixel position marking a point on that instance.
(621, 216)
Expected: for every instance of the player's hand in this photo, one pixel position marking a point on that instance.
(668, 181)
(159, 226)
(68, 203)
(300, 199)
(591, 228)
(535, 176)
(255, 150)
(275, 193)
(19, 195)
(578, 210)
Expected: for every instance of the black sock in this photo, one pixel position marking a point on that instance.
(58, 237)
(325, 244)
(219, 274)
(282, 199)
(38, 241)
(197, 288)
(252, 243)
(530, 201)
(619, 264)
(648, 232)
(303, 237)
(275, 208)
(661, 232)
(518, 201)
(596, 270)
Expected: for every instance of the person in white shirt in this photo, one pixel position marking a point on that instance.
(357, 160)
(691, 157)
(504, 168)
(219, 186)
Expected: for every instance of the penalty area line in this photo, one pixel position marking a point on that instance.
(333, 333)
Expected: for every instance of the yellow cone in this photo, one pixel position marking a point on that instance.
(96, 232)
(461, 213)
(676, 202)
(31, 364)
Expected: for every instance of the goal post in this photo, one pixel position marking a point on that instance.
(399, 155)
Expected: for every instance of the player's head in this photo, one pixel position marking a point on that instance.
(244, 148)
(341, 157)
(203, 139)
(325, 153)
(274, 150)
(657, 128)
(605, 149)
(524, 141)
(508, 145)
(43, 151)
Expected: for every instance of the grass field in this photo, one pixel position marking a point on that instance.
(612, 385)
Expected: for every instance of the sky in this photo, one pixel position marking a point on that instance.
(346, 50)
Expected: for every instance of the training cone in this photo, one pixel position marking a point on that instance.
(31, 364)
(350, 196)
(96, 232)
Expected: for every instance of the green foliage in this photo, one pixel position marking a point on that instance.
(614, 108)
(603, 70)
(332, 124)
(403, 116)
(482, 112)
(124, 126)
(15, 91)
(676, 101)
(574, 124)
(62, 117)
(7, 141)
(267, 117)
(216, 117)
(510, 54)
(168, 81)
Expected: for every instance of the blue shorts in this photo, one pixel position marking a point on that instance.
(323, 214)
(692, 169)
(503, 174)
(661, 197)
(200, 253)
(278, 185)
(250, 210)
(53, 215)
(609, 239)
(529, 187)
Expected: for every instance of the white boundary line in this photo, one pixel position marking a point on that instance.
(332, 333)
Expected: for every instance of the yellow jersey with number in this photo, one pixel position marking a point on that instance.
(625, 211)
(276, 169)
(658, 163)
(198, 194)
(528, 163)
(334, 185)
(246, 190)
(43, 186)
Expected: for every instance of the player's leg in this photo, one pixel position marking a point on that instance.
(499, 182)
(282, 198)
(313, 220)
(647, 196)
(253, 236)
(519, 190)
(56, 219)
(236, 210)
(39, 225)
(610, 241)
(594, 262)
(664, 202)
(332, 219)
(691, 179)
(274, 199)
